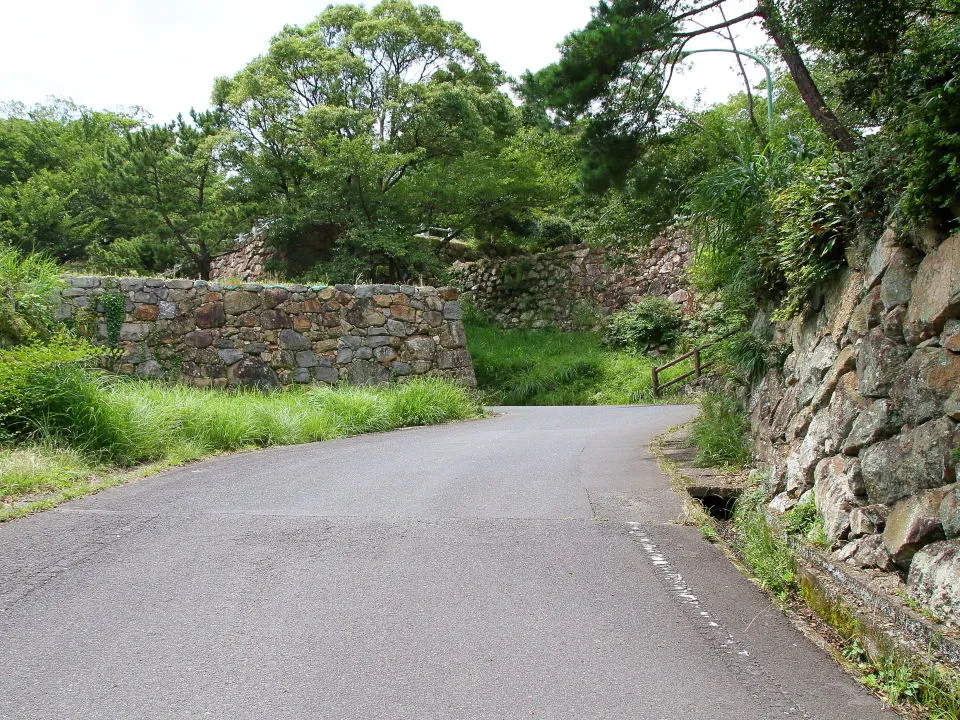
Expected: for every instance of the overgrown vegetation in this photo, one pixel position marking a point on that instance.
(26, 285)
(720, 432)
(649, 324)
(549, 367)
(766, 555)
(865, 131)
(927, 689)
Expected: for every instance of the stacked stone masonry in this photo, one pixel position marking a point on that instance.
(548, 289)
(248, 259)
(210, 335)
(863, 417)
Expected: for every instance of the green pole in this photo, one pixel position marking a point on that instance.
(752, 57)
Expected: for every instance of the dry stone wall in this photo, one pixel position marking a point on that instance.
(863, 417)
(211, 335)
(551, 288)
(248, 259)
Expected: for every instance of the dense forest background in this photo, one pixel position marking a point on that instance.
(350, 135)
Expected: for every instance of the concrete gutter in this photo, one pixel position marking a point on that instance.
(831, 589)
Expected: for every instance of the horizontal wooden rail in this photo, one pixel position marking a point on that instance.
(698, 366)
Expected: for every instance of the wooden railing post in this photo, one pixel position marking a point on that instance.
(698, 366)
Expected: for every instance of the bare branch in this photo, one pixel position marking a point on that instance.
(746, 78)
(726, 24)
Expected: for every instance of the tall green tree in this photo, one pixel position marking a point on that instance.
(54, 187)
(366, 122)
(616, 71)
(170, 185)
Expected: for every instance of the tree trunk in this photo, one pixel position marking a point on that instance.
(809, 91)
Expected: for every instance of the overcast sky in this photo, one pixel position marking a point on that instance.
(163, 55)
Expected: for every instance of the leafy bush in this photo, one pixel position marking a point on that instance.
(720, 432)
(748, 353)
(28, 286)
(48, 390)
(648, 324)
(799, 519)
(813, 215)
(711, 322)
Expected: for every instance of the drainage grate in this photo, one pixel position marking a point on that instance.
(718, 501)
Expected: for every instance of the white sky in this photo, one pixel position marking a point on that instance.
(163, 55)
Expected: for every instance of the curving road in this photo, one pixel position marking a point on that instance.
(525, 566)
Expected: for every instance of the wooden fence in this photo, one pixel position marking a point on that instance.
(699, 367)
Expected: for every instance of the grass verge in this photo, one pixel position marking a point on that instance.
(135, 422)
(549, 367)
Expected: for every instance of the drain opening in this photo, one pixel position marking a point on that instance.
(717, 501)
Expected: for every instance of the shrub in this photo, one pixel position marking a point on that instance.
(48, 390)
(749, 354)
(27, 293)
(648, 324)
(720, 432)
(812, 215)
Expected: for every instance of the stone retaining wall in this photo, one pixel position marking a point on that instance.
(554, 288)
(206, 334)
(862, 418)
(248, 258)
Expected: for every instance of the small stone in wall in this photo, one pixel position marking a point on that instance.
(253, 372)
(870, 552)
(871, 424)
(230, 356)
(879, 362)
(865, 316)
(895, 286)
(274, 320)
(836, 486)
(924, 383)
(210, 315)
(950, 338)
(367, 372)
(950, 511)
(936, 292)
(146, 313)
(237, 302)
(868, 520)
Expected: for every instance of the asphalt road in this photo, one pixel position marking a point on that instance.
(525, 566)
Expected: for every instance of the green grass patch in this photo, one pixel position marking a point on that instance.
(767, 556)
(118, 424)
(549, 367)
(720, 433)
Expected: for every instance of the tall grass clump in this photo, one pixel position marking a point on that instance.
(49, 391)
(164, 418)
(28, 470)
(720, 432)
(767, 556)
